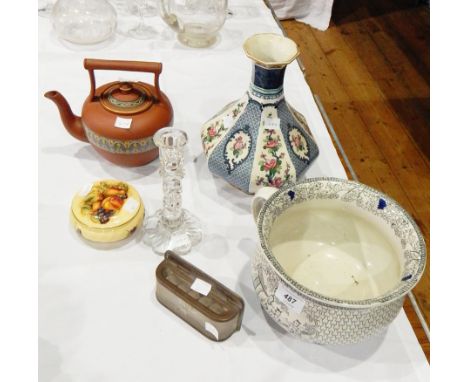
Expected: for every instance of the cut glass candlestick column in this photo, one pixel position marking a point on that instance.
(172, 227)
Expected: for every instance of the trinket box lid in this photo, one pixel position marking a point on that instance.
(107, 210)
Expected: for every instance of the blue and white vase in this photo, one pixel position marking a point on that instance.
(261, 140)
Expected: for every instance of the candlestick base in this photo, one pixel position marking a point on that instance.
(160, 237)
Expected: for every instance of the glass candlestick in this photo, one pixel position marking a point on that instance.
(172, 227)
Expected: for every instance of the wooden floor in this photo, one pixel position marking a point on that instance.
(370, 70)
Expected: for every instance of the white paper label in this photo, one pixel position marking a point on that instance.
(131, 204)
(228, 121)
(271, 123)
(123, 123)
(201, 286)
(289, 298)
(211, 329)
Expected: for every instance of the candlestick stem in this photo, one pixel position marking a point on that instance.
(172, 227)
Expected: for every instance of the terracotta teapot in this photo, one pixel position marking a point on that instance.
(119, 119)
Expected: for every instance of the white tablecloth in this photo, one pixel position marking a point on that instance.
(99, 319)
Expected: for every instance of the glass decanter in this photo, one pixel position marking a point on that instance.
(172, 227)
(84, 21)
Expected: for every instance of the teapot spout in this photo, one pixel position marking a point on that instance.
(72, 123)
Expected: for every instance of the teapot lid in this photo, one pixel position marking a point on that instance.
(126, 98)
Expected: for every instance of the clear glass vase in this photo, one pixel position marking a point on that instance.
(171, 227)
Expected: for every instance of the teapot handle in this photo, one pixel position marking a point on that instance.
(260, 197)
(92, 64)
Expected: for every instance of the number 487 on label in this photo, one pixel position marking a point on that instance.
(289, 298)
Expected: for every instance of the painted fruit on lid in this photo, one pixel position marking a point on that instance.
(107, 211)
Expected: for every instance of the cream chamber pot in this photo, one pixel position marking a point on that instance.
(336, 259)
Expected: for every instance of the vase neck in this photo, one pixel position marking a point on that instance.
(267, 83)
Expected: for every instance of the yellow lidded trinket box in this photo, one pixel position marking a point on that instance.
(107, 211)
